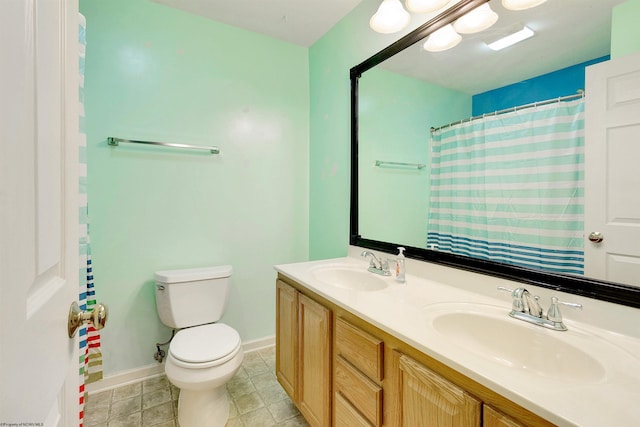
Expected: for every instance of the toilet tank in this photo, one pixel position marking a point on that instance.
(192, 297)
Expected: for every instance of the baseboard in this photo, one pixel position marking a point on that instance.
(124, 378)
(259, 344)
(140, 374)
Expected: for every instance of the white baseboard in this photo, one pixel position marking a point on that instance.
(259, 344)
(145, 372)
(125, 377)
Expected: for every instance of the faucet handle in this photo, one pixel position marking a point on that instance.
(554, 314)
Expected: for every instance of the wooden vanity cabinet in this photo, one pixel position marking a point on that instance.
(287, 338)
(493, 418)
(342, 371)
(303, 353)
(427, 399)
(358, 374)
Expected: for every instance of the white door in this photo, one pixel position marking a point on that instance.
(38, 211)
(612, 170)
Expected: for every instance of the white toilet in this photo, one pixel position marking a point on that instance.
(203, 355)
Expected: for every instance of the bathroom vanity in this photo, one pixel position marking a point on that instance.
(358, 349)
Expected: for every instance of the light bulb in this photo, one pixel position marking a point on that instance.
(521, 4)
(424, 6)
(478, 19)
(443, 39)
(390, 17)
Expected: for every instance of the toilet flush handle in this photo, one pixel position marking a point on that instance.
(97, 317)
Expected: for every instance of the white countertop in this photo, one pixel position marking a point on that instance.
(610, 333)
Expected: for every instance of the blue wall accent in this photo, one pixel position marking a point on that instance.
(566, 81)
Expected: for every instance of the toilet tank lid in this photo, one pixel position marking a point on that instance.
(192, 274)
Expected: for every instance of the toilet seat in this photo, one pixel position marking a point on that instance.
(204, 346)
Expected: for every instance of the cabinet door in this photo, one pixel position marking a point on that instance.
(314, 381)
(427, 399)
(493, 418)
(287, 338)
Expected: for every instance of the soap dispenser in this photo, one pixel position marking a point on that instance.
(400, 269)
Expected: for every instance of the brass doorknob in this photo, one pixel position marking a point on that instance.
(596, 237)
(97, 317)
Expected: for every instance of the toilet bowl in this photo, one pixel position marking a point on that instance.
(201, 361)
(202, 357)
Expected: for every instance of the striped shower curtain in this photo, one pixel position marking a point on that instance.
(509, 188)
(90, 353)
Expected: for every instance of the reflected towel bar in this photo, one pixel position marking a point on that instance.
(401, 164)
(116, 141)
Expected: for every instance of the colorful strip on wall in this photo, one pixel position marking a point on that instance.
(510, 188)
(90, 353)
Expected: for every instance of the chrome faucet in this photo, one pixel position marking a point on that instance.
(529, 303)
(381, 268)
(526, 307)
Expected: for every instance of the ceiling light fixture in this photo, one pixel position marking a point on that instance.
(425, 6)
(521, 4)
(390, 17)
(442, 39)
(477, 20)
(511, 39)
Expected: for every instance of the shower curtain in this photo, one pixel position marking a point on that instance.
(509, 188)
(90, 353)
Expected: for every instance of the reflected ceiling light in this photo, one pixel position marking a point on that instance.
(425, 6)
(511, 39)
(478, 19)
(443, 39)
(390, 17)
(521, 4)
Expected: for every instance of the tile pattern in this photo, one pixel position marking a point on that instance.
(256, 399)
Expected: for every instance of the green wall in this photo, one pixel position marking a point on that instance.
(395, 116)
(348, 43)
(155, 73)
(278, 193)
(625, 32)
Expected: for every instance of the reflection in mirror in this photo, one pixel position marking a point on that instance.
(483, 193)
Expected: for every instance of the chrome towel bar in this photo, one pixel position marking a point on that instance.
(114, 142)
(400, 164)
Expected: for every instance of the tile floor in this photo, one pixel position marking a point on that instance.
(255, 396)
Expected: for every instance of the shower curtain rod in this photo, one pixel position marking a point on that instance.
(580, 94)
(114, 142)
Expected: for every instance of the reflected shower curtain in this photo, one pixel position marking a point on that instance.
(90, 353)
(509, 188)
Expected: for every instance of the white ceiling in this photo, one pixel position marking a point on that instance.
(567, 32)
(301, 22)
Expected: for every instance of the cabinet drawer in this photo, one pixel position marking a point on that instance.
(364, 351)
(364, 394)
(347, 415)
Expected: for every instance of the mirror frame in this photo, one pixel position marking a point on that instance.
(602, 290)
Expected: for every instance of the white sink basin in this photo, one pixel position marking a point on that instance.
(347, 277)
(488, 332)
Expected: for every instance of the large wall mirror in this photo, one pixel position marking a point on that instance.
(406, 103)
